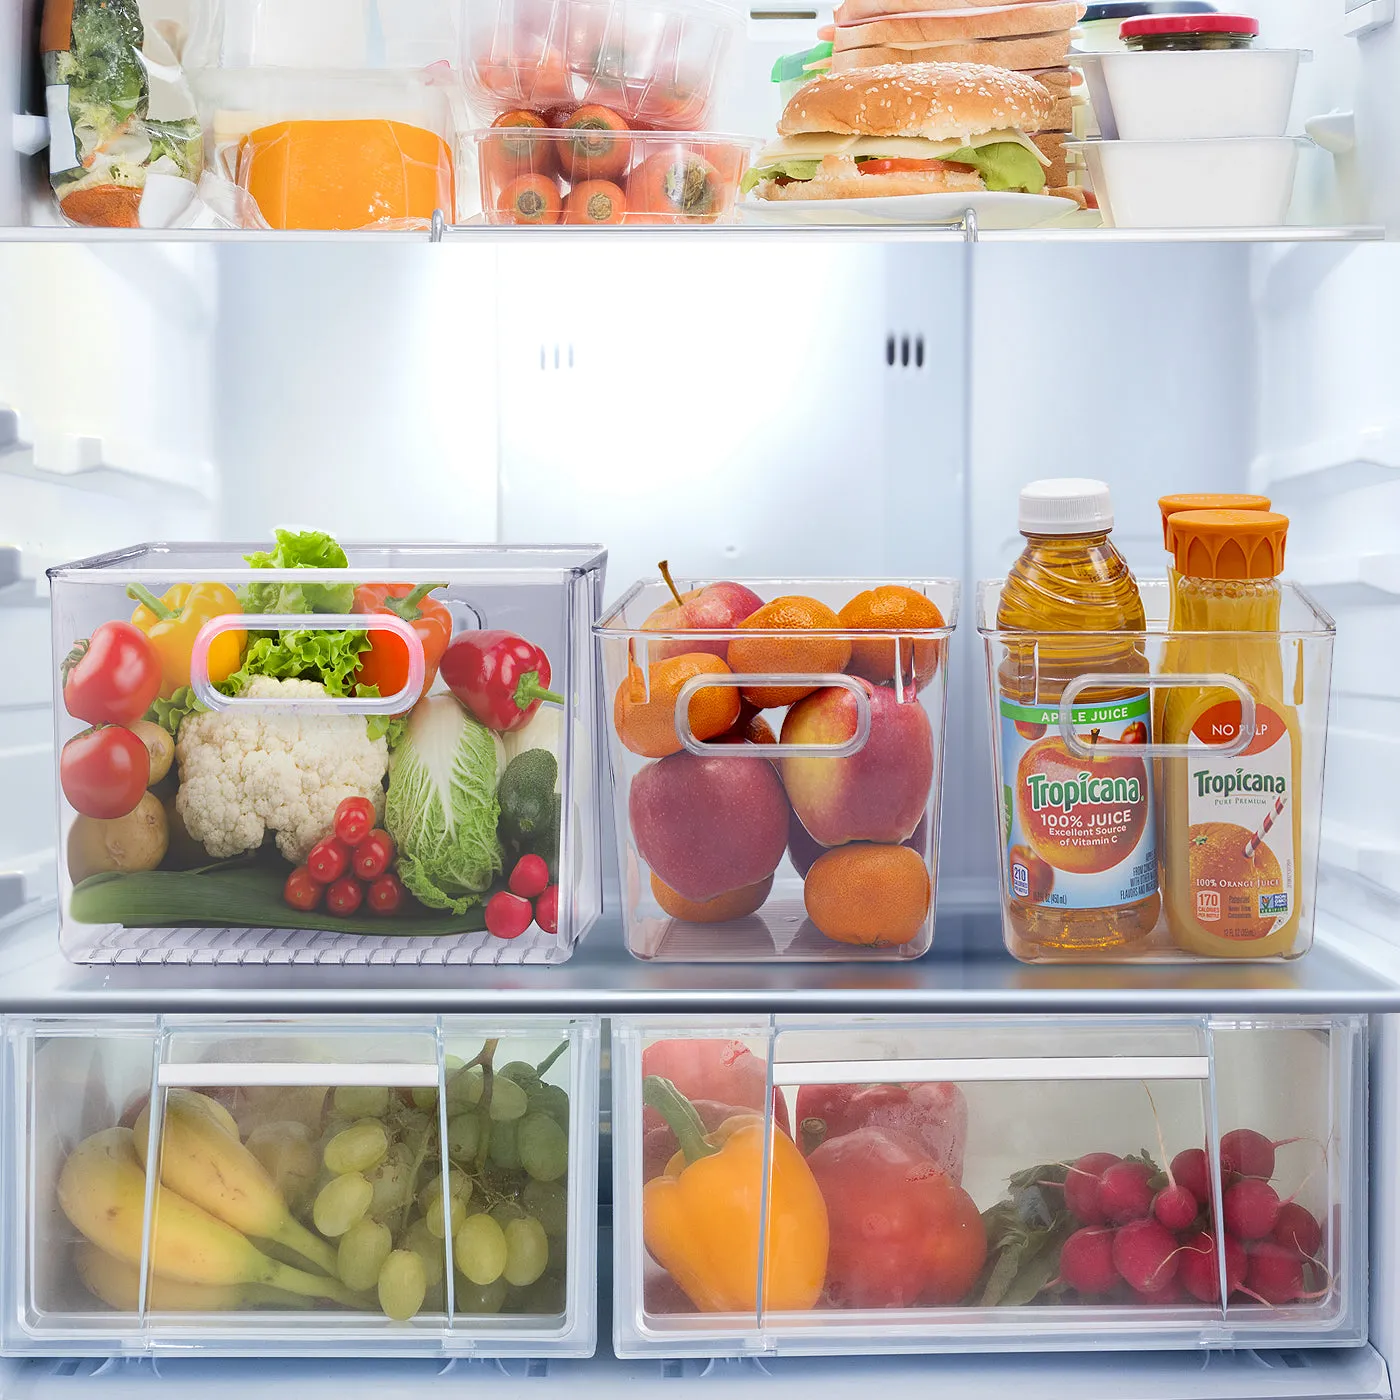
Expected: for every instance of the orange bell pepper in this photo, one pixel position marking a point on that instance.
(703, 1219)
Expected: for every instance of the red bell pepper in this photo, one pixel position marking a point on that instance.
(930, 1118)
(499, 677)
(901, 1231)
(713, 1072)
(385, 664)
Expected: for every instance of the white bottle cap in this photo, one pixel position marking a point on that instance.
(1069, 505)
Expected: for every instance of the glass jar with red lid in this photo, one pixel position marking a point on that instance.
(1188, 33)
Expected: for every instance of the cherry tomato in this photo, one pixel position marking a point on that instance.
(329, 860)
(354, 820)
(386, 895)
(344, 896)
(529, 878)
(374, 855)
(532, 199)
(301, 891)
(104, 772)
(594, 150)
(595, 202)
(113, 677)
(515, 152)
(507, 915)
(547, 910)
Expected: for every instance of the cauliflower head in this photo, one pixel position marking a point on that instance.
(245, 772)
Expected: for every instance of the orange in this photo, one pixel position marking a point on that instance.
(768, 656)
(346, 174)
(874, 896)
(647, 725)
(1219, 863)
(887, 607)
(737, 904)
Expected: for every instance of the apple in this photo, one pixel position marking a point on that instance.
(717, 607)
(708, 825)
(877, 794)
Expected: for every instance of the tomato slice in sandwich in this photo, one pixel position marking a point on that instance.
(906, 167)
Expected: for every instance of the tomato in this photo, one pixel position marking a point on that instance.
(374, 855)
(354, 820)
(901, 1231)
(594, 150)
(515, 152)
(928, 1118)
(722, 1071)
(113, 677)
(104, 772)
(595, 202)
(532, 199)
(906, 167)
(329, 860)
(386, 894)
(302, 891)
(344, 896)
(675, 186)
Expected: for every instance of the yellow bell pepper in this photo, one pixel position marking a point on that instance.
(173, 622)
(702, 1220)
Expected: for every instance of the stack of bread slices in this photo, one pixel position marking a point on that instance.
(1029, 36)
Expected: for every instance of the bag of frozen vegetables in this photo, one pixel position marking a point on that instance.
(126, 148)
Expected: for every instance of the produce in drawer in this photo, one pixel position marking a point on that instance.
(174, 621)
(717, 607)
(932, 1118)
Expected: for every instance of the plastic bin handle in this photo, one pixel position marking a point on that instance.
(852, 745)
(1045, 1068)
(295, 1075)
(1188, 680)
(309, 622)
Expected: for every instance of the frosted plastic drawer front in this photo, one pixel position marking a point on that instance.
(777, 769)
(938, 1185)
(255, 783)
(300, 1206)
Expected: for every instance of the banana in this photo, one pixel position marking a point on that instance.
(102, 1191)
(200, 1161)
(118, 1284)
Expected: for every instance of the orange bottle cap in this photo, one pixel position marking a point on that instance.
(1229, 544)
(1205, 500)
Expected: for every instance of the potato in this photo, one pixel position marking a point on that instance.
(137, 841)
(159, 745)
(185, 853)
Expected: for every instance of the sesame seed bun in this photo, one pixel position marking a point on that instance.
(935, 101)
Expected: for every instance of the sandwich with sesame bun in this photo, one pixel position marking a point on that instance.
(903, 129)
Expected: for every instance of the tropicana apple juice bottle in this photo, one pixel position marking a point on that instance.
(1079, 832)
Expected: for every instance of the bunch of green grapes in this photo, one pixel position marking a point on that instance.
(496, 1202)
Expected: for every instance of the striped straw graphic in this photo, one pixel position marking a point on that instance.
(1257, 839)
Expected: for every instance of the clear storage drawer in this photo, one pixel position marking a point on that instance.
(1037, 1183)
(270, 698)
(303, 1202)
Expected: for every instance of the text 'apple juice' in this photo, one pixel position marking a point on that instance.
(1233, 825)
(1079, 831)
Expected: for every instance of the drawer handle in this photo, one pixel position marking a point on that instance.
(967, 1071)
(295, 1075)
(705, 681)
(1187, 680)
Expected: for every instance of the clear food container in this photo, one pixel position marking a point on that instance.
(993, 1184)
(777, 758)
(1257, 754)
(534, 176)
(301, 1205)
(1191, 96)
(1243, 182)
(657, 63)
(228, 797)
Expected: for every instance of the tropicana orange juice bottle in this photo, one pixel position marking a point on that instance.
(1232, 825)
(1080, 848)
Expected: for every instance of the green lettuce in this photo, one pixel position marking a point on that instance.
(170, 714)
(309, 549)
(442, 808)
(329, 658)
(793, 169)
(1004, 165)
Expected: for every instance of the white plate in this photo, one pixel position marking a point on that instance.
(994, 210)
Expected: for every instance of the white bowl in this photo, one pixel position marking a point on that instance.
(1244, 182)
(1191, 96)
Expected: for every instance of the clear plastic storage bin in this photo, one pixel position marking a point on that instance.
(196, 869)
(942, 1184)
(776, 782)
(300, 1200)
(656, 63)
(1263, 749)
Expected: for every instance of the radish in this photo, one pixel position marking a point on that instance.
(1251, 1209)
(1200, 1267)
(1247, 1153)
(1175, 1207)
(1086, 1260)
(1124, 1193)
(1191, 1169)
(1297, 1229)
(1082, 1187)
(1146, 1255)
(1171, 1293)
(1275, 1274)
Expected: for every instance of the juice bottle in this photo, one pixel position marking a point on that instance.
(1081, 862)
(1232, 825)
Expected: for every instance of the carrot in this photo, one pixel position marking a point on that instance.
(516, 152)
(675, 186)
(595, 202)
(532, 199)
(594, 151)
